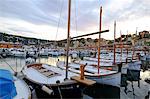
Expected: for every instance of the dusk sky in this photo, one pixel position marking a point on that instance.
(40, 18)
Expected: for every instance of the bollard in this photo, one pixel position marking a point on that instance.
(82, 72)
(82, 66)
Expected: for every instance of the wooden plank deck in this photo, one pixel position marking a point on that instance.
(42, 70)
(85, 81)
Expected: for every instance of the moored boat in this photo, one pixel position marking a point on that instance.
(51, 80)
(104, 77)
(17, 52)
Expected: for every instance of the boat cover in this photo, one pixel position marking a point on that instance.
(7, 86)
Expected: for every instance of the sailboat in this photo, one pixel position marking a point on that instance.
(105, 64)
(104, 59)
(49, 79)
(95, 73)
(52, 81)
(108, 77)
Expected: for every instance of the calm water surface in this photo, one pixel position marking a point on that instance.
(18, 63)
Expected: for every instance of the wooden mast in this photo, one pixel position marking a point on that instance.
(68, 35)
(100, 28)
(114, 43)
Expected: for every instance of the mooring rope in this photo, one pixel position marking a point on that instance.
(7, 63)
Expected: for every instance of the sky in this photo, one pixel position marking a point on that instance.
(47, 19)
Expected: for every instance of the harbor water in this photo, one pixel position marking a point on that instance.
(17, 63)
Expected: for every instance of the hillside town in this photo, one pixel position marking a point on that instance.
(139, 39)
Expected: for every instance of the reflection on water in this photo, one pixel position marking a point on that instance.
(18, 63)
(52, 60)
(145, 75)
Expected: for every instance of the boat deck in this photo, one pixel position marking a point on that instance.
(46, 75)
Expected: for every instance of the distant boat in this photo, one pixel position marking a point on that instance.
(12, 87)
(54, 52)
(43, 52)
(4, 52)
(17, 52)
(99, 75)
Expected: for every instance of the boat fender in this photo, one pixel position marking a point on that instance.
(47, 90)
(57, 82)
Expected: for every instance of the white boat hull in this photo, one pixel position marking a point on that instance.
(46, 79)
(105, 77)
(23, 91)
(113, 79)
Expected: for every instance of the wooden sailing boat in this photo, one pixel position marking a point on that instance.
(104, 63)
(51, 80)
(101, 76)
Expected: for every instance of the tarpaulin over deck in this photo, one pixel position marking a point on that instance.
(7, 87)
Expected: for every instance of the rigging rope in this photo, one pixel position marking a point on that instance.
(75, 16)
(60, 15)
(7, 63)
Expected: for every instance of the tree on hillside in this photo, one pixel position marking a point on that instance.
(123, 36)
(71, 43)
(82, 40)
(1, 37)
(89, 39)
(96, 40)
(14, 39)
(5, 39)
(110, 42)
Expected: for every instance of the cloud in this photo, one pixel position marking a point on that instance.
(41, 17)
(25, 10)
